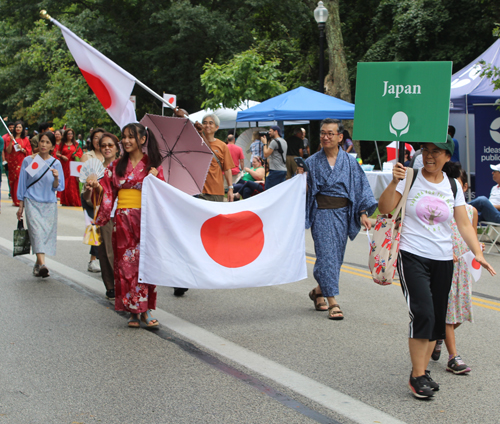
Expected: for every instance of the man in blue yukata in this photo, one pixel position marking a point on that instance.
(339, 201)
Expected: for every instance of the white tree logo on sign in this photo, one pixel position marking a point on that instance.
(494, 130)
(399, 122)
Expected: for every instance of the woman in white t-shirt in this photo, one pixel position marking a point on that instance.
(425, 258)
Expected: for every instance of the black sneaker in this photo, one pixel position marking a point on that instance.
(179, 291)
(457, 366)
(420, 387)
(436, 353)
(433, 385)
(110, 294)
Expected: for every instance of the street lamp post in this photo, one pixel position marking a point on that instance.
(321, 15)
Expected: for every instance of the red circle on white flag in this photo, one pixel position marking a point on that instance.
(233, 240)
(34, 165)
(79, 168)
(171, 100)
(99, 88)
(475, 264)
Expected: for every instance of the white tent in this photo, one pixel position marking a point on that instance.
(228, 117)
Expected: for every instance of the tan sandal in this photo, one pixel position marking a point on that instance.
(314, 297)
(133, 321)
(333, 314)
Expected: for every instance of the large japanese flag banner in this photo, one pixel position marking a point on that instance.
(192, 243)
(110, 83)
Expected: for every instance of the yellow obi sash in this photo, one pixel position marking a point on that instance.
(129, 198)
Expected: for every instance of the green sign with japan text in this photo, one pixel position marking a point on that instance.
(403, 101)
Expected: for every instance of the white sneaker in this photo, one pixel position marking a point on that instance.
(94, 266)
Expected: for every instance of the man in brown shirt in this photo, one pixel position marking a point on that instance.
(213, 189)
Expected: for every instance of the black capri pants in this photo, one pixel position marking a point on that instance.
(426, 285)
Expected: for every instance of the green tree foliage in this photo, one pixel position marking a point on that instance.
(166, 44)
(247, 76)
(424, 30)
(492, 72)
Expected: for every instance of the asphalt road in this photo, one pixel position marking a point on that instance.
(259, 355)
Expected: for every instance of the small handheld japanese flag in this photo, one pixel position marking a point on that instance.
(171, 99)
(474, 266)
(36, 166)
(75, 168)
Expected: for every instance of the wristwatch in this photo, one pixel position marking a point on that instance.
(230, 187)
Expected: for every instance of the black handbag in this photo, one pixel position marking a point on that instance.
(22, 244)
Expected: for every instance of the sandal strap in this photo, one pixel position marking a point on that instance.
(148, 319)
(313, 295)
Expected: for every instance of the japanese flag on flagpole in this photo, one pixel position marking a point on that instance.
(75, 168)
(474, 266)
(110, 83)
(192, 243)
(391, 150)
(36, 166)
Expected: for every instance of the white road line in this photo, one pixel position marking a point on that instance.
(334, 400)
(69, 238)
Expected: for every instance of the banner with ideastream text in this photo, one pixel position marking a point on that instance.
(487, 142)
(192, 243)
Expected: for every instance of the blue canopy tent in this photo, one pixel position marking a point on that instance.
(298, 104)
(470, 93)
(468, 88)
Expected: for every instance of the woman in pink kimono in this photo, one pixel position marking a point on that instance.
(123, 180)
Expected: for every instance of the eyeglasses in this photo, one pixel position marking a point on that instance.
(433, 153)
(328, 134)
(208, 123)
(103, 146)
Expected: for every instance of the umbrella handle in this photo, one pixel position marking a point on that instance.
(199, 128)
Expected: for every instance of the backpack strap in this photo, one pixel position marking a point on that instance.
(280, 150)
(453, 183)
(415, 173)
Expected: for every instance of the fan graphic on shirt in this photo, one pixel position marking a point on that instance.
(432, 210)
(92, 167)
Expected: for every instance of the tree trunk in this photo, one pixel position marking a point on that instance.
(337, 82)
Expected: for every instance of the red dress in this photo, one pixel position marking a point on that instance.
(54, 154)
(14, 161)
(130, 295)
(71, 194)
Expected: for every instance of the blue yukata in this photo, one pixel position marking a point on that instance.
(331, 227)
